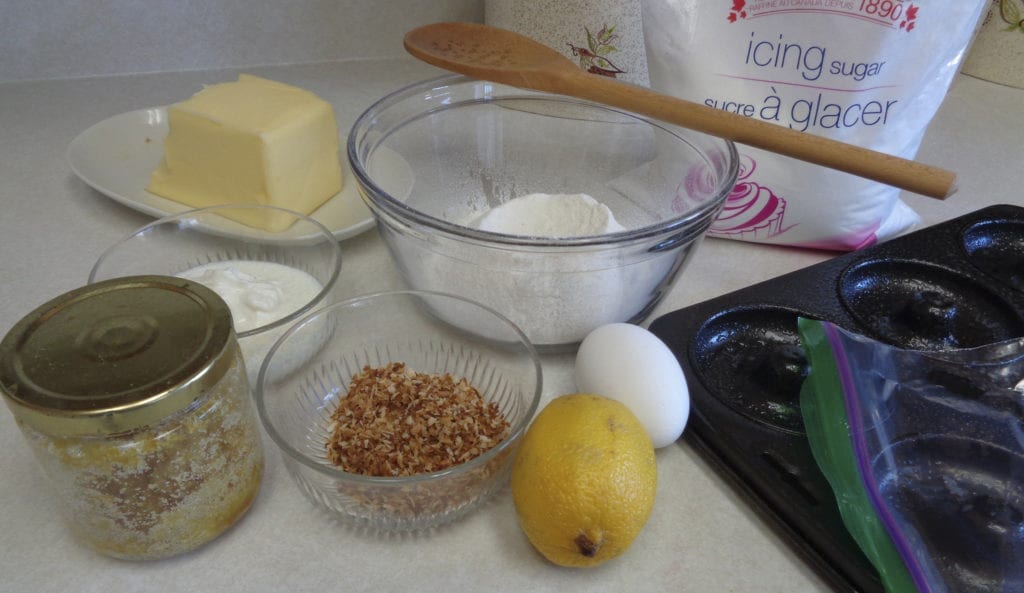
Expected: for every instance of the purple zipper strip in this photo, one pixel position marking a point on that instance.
(852, 402)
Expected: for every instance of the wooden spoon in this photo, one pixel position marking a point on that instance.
(489, 53)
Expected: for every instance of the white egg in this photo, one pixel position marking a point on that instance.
(630, 364)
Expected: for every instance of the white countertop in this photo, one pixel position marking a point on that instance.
(701, 536)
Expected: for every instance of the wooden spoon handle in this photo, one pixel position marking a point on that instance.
(905, 174)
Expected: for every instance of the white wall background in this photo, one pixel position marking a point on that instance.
(48, 39)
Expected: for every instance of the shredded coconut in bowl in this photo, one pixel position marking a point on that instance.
(395, 421)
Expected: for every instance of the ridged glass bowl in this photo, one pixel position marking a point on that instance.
(308, 371)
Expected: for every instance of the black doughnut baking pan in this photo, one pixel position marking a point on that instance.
(957, 284)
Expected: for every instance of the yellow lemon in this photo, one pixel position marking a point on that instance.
(584, 480)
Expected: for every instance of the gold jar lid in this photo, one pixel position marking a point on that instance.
(116, 355)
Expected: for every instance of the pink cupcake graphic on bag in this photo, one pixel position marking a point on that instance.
(752, 212)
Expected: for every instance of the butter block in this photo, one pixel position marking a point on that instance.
(251, 141)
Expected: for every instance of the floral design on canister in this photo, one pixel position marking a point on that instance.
(594, 57)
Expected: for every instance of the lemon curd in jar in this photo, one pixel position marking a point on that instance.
(133, 395)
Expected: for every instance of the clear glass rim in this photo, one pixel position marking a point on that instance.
(321, 231)
(515, 431)
(380, 201)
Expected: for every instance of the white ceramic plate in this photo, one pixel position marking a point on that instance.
(117, 155)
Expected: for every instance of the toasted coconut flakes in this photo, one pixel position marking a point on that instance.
(440, 421)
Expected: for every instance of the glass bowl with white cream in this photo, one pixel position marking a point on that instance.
(561, 214)
(268, 279)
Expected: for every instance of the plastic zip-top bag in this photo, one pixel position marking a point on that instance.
(925, 455)
(867, 72)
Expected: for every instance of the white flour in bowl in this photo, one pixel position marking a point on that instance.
(550, 215)
(555, 296)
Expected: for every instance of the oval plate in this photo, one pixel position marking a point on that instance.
(116, 156)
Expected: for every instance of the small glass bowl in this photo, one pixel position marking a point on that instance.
(308, 372)
(174, 244)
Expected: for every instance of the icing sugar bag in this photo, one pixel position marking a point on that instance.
(866, 72)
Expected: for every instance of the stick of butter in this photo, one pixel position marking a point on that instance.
(251, 141)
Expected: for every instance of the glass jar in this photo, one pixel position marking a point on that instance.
(133, 396)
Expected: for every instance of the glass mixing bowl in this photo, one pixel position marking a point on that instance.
(432, 157)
